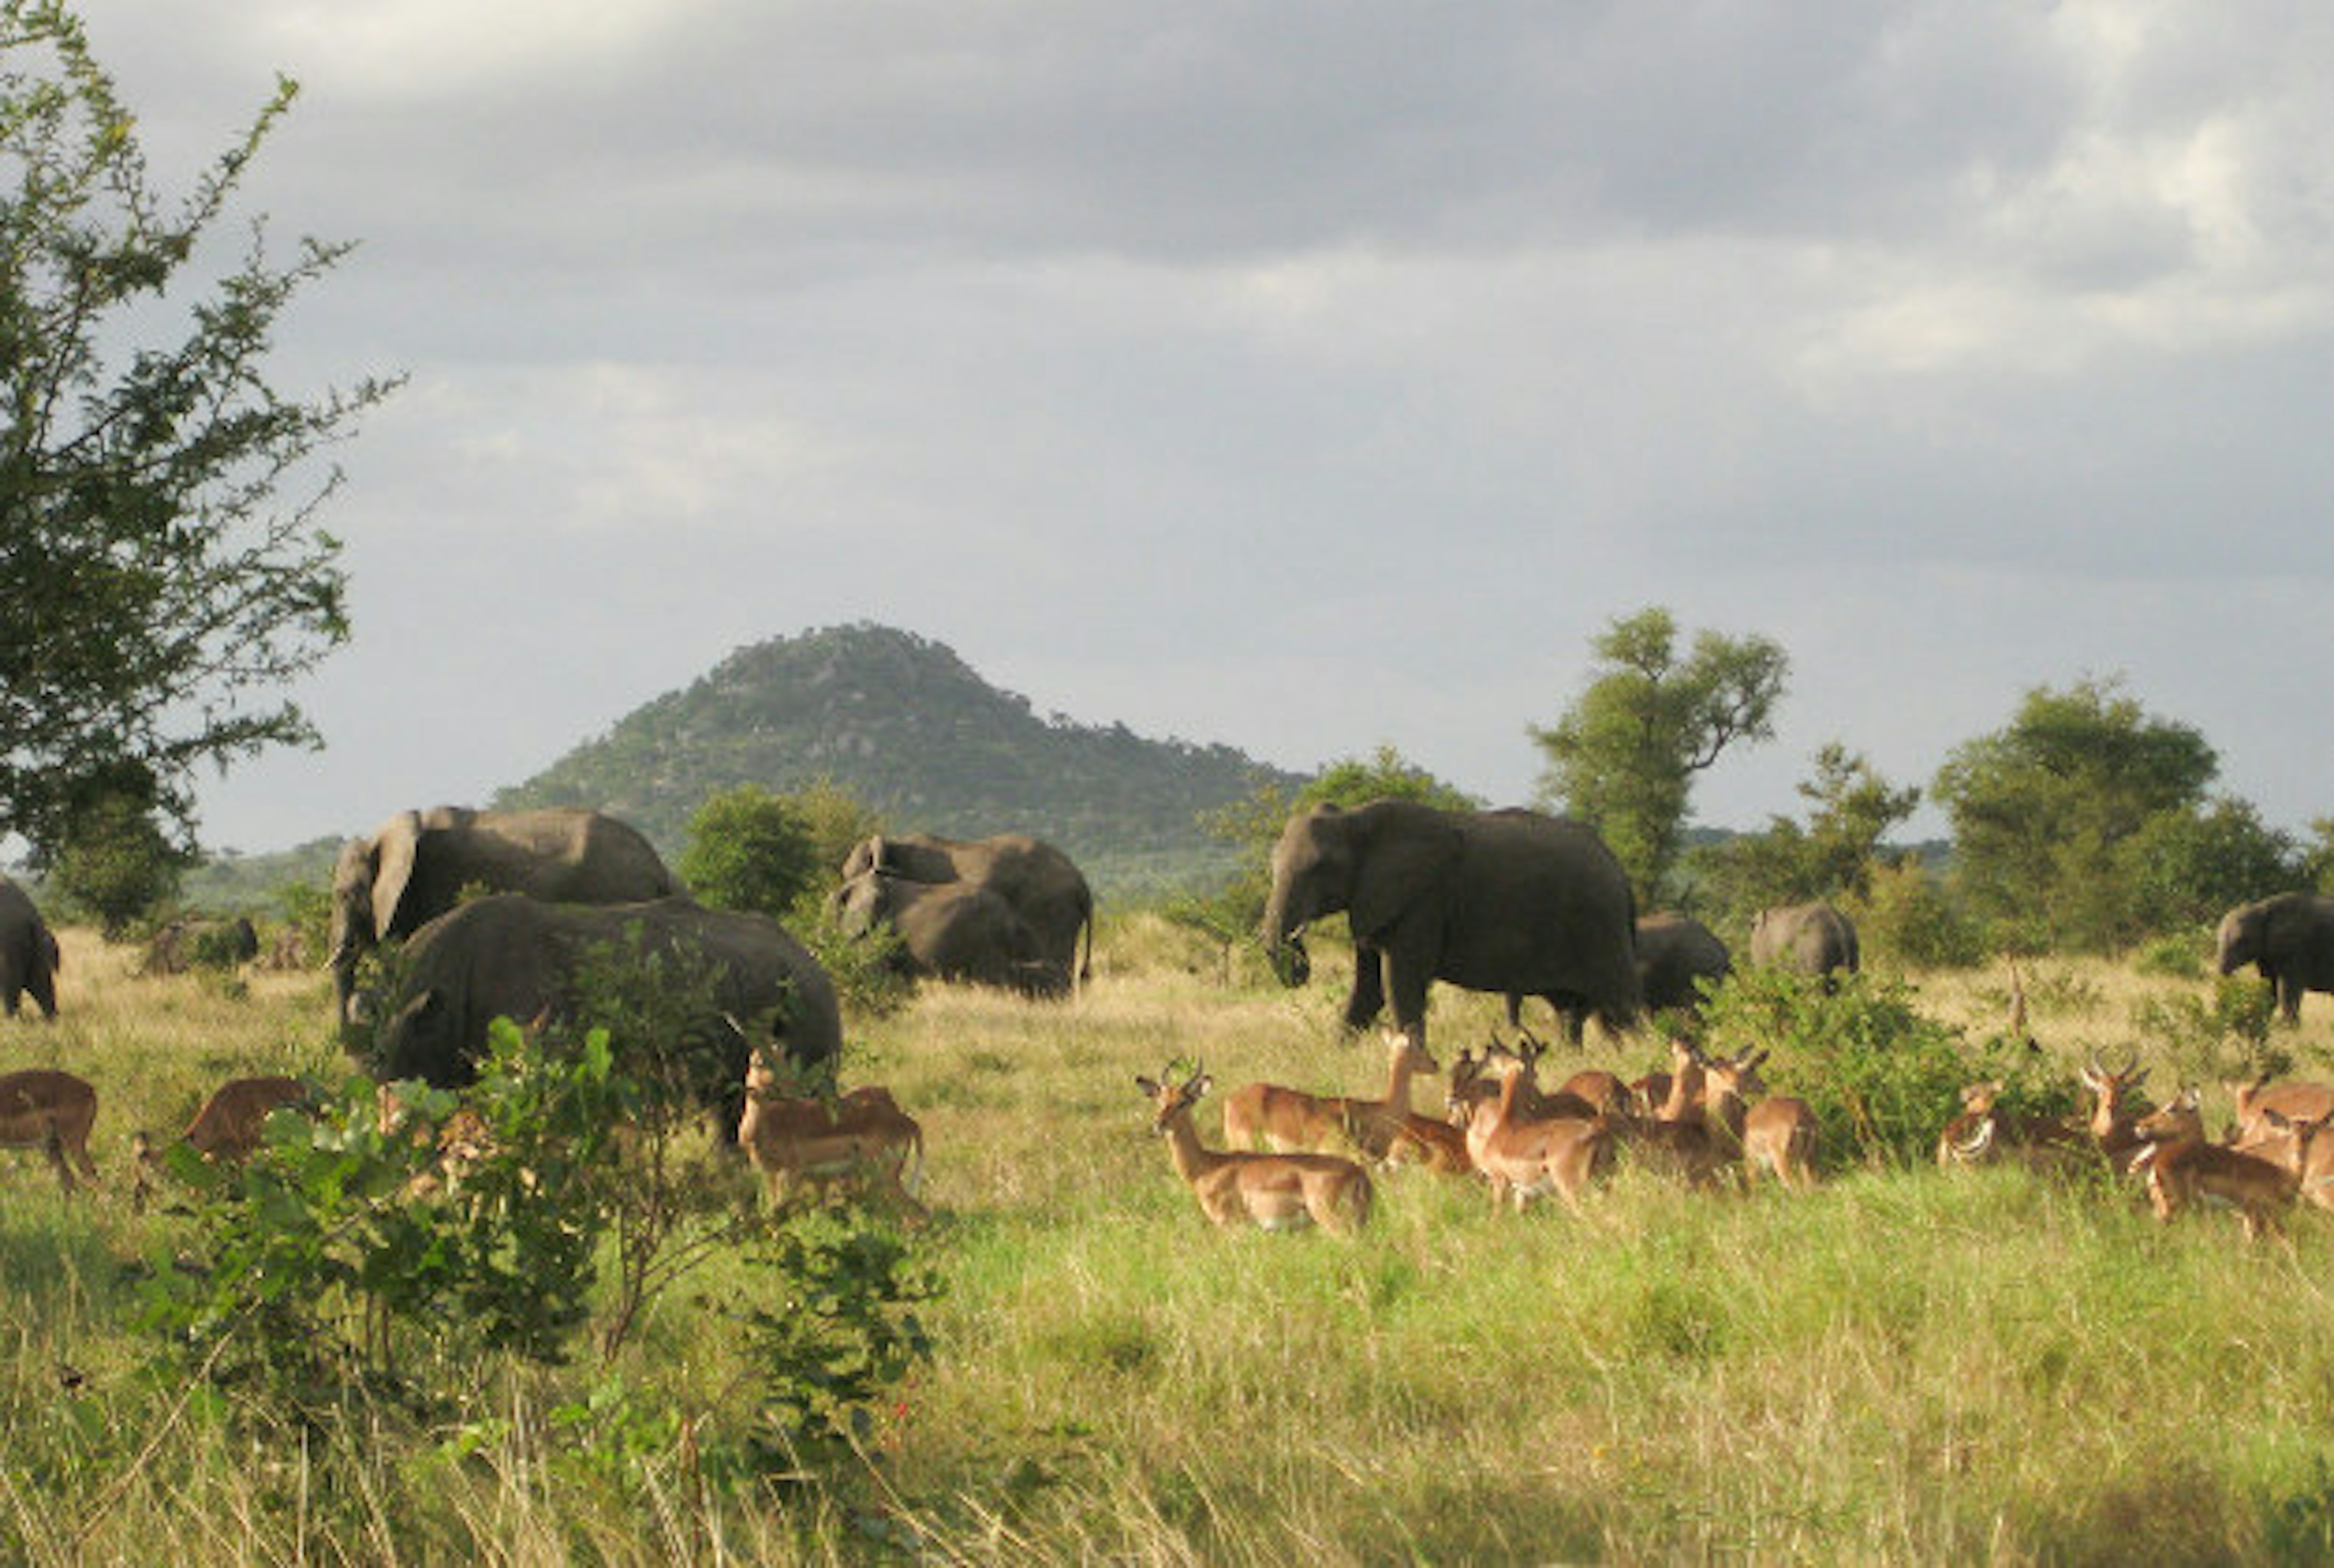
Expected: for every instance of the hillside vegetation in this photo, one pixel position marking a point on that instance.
(905, 725)
(1906, 1366)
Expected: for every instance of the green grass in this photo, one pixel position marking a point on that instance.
(1907, 1366)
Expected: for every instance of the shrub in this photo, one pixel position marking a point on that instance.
(2217, 1037)
(867, 967)
(750, 850)
(2179, 957)
(1880, 1078)
(1910, 916)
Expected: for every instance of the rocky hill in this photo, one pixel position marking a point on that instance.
(906, 725)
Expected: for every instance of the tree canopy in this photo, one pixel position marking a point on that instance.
(162, 573)
(2072, 824)
(1623, 757)
(1851, 809)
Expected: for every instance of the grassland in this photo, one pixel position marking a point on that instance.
(1907, 1366)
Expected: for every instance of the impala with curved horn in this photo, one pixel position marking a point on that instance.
(1270, 1191)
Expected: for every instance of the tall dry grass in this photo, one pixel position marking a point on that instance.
(1907, 1367)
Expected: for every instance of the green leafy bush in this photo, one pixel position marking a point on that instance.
(2216, 1037)
(1909, 916)
(339, 1234)
(840, 1331)
(2176, 958)
(870, 978)
(1880, 1078)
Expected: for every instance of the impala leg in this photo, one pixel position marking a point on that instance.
(53, 1147)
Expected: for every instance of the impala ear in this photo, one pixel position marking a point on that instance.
(1149, 1085)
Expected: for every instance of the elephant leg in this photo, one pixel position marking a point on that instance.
(2288, 998)
(1406, 980)
(1367, 998)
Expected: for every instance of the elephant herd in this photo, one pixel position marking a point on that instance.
(566, 883)
(1511, 902)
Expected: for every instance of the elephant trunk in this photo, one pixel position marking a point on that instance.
(1283, 935)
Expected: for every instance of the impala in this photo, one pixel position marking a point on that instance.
(1775, 1131)
(1525, 1157)
(1270, 1191)
(228, 1127)
(2116, 1115)
(1289, 1120)
(52, 1111)
(2184, 1169)
(1677, 1140)
(2294, 1101)
(1472, 1079)
(1984, 1132)
(861, 1137)
(2292, 1142)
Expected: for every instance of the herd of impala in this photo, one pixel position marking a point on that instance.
(1706, 1121)
(799, 1143)
(1702, 1121)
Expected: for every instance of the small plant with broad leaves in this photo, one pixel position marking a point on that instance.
(839, 1329)
(347, 1232)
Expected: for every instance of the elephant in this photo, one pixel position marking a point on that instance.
(193, 940)
(1503, 901)
(2289, 938)
(29, 955)
(1807, 938)
(1042, 884)
(949, 930)
(415, 865)
(509, 956)
(1674, 952)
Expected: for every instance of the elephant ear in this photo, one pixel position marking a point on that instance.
(395, 849)
(1400, 857)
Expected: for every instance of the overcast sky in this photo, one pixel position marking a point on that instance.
(1300, 375)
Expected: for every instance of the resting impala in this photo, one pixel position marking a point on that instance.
(2293, 1143)
(52, 1111)
(1984, 1132)
(2182, 1167)
(2115, 1114)
(1472, 1080)
(1775, 1131)
(2294, 1101)
(861, 1137)
(1677, 1140)
(1290, 1120)
(1524, 1157)
(1271, 1191)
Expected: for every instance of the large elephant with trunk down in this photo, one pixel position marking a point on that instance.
(1502, 902)
(2289, 938)
(29, 955)
(1813, 939)
(1044, 887)
(414, 867)
(949, 931)
(512, 957)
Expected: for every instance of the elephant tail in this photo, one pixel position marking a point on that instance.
(1086, 960)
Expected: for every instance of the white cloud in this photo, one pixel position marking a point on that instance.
(1390, 350)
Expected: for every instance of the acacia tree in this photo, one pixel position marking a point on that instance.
(162, 574)
(1851, 809)
(1623, 757)
(2057, 816)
